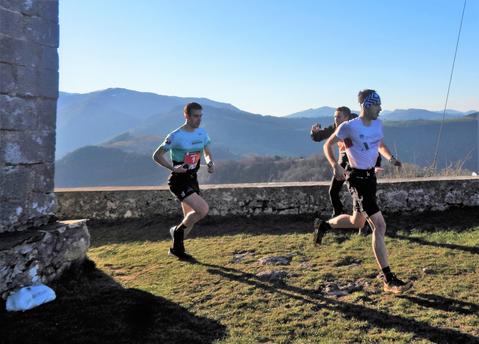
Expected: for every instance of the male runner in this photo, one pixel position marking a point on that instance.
(185, 145)
(342, 114)
(363, 138)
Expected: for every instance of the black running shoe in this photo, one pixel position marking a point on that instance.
(181, 255)
(366, 230)
(178, 239)
(395, 285)
(320, 228)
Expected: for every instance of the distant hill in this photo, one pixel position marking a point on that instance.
(419, 114)
(91, 118)
(324, 111)
(386, 115)
(96, 117)
(99, 166)
(127, 159)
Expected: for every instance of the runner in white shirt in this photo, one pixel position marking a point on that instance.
(363, 138)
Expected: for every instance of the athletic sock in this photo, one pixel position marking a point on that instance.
(387, 273)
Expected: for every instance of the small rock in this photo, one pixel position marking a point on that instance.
(275, 260)
(272, 275)
(242, 254)
(334, 289)
(347, 261)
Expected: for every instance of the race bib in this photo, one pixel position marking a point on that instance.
(191, 159)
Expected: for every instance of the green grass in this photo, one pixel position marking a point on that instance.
(442, 307)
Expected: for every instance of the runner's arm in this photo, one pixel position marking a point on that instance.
(386, 153)
(159, 158)
(208, 158)
(329, 154)
(328, 150)
(320, 134)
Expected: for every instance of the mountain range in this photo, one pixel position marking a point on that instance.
(96, 117)
(107, 137)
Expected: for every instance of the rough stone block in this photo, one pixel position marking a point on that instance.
(11, 23)
(18, 113)
(28, 82)
(49, 58)
(27, 7)
(7, 78)
(12, 212)
(48, 83)
(27, 147)
(47, 114)
(41, 31)
(41, 204)
(17, 181)
(48, 9)
(16, 51)
(41, 254)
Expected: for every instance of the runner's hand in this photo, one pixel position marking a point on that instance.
(179, 169)
(395, 162)
(339, 173)
(315, 128)
(378, 170)
(211, 167)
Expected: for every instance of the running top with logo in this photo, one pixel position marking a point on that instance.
(185, 147)
(362, 142)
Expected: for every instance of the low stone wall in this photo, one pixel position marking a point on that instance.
(40, 254)
(394, 196)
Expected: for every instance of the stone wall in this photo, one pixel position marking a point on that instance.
(40, 254)
(36, 248)
(28, 94)
(405, 196)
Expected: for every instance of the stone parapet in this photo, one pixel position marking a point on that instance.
(394, 196)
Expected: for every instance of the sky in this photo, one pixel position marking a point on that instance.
(274, 57)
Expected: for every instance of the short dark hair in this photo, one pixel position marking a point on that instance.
(363, 94)
(345, 111)
(191, 106)
(353, 116)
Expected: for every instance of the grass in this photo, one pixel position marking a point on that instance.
(218, 301)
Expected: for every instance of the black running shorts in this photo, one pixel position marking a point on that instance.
(183, 184)
(362, 186)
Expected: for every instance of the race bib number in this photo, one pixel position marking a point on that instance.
(191, 159)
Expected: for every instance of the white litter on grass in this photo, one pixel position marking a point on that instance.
(30, 297)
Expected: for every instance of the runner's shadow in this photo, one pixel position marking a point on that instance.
(91, 307)
(375, 317)
(470, 249)
(443, 303)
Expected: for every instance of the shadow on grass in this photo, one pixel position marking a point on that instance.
(92, 308)
(156, 229)
(443, 304)
(372, 316)
(104, 233)
(470, 249)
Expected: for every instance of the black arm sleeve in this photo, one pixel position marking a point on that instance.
(322, 134)
(378, 161)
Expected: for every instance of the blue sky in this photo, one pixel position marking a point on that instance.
(274, 57)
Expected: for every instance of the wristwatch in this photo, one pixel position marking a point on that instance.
(210, 164)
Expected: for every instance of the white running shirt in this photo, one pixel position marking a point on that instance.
(362, 142)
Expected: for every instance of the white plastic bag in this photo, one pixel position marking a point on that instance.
(29, 297)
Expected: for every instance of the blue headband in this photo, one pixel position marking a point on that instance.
(372, 99)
